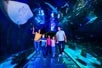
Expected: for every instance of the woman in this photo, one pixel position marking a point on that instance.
(37, 40)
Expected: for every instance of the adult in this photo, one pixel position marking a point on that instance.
(37, 40)
(61, 39)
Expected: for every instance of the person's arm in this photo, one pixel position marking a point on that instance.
(51, 42)
(65, 37)
(40, 40)
(56, 38)
(33, 30)
(46, 42)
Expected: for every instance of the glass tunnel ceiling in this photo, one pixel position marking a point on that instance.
(75, 14)
(66, 9)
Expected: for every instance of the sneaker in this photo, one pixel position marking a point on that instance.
(58, 60)
(63, 62)
(53, 55)
(59, 55)
(63, 53)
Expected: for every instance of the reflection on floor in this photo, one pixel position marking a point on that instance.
(16, 59)
(38, 61)
(72, 58)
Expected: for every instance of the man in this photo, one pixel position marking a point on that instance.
(61, 39)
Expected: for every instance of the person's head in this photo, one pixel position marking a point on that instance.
(59, 28)
(43, 36)
(48, 36)
(39, 31)
(53, 37)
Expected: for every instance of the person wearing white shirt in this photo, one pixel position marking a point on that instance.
(61, 39)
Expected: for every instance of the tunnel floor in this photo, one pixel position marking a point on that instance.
(38, 61)
(72, 58)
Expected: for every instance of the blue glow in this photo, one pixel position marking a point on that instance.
(58, 16)
(7, 64)
(19, 12)
(53, 24)
(41, 12)
(52, 14)
(40, 16)
(91, 17)
(76, 54)
(52, 7)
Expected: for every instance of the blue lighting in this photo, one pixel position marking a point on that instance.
(40, 16)
(52, 14)
(40, 12)
(91, 17)
(53, 22)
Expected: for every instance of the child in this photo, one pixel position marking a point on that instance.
(53, 46)
(43, 45)
(48, 42)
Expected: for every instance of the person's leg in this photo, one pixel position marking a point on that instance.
(43, 50)
(54, 51)
(50, 50)
(38, 46)
(35, 45)
(59, 45)
(47, 50)
(57, 49)
(63, 46)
